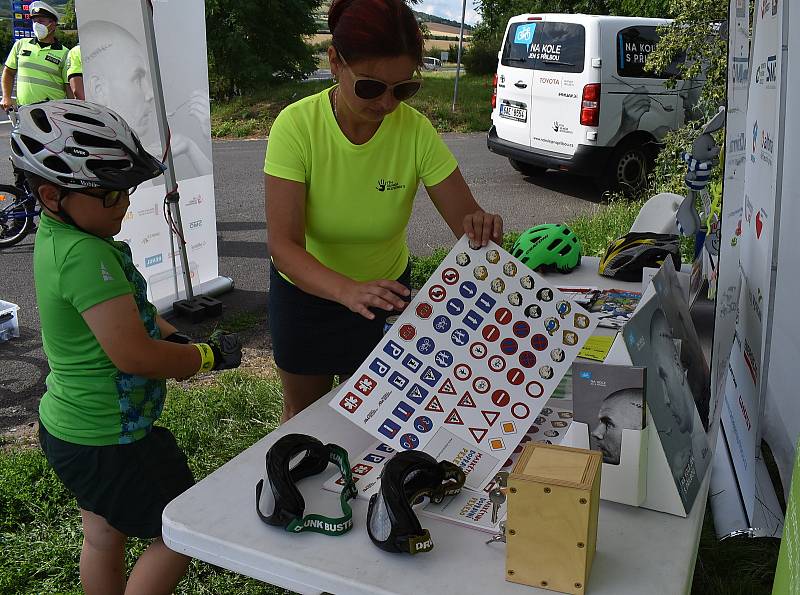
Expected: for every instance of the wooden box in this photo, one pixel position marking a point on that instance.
(551, 529)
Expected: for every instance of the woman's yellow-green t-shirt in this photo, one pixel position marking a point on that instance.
(358, 197)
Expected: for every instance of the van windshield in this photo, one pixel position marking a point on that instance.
(545, 45)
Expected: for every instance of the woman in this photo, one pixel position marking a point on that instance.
(342, 168)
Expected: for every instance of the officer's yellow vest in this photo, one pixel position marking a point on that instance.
(41, 70)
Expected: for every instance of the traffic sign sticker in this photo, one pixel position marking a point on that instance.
(434, 406)
(509, 346)
(520, 410)
(463, 372)
(478, 434)
(539, 342)
(424, 310)
(509, 427)
(468, 289)
(527, 359)
(407, 332)
(466, 400)
(423, 424)
(454, 418)
(490, 416)
(409, 441)
(477, 350)
(450, 276)
(455, 306)
(497, 363)
(365, 385)
(417, 393)
(534, 389)
(351, 402)
(447, 388)
(501, 398)
(503, 316)
(437, 293)
(497, 444)
(515, 376)
(481, 385)
(522, 329)
(491, 333)
(460, 337)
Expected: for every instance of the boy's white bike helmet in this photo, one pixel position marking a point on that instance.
(78, 144)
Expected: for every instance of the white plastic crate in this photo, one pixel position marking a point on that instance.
(9, 323)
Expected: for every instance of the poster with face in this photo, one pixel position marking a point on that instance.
(608, 399)
(652, 345)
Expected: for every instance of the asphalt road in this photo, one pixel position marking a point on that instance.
(243, 249)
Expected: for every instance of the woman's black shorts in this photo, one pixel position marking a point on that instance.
(129, 485)
(312, 335)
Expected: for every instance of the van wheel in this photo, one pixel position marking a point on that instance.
(526, 169)
(628, 169)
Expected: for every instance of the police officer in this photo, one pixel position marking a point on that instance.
(75, 72)
(39, 63)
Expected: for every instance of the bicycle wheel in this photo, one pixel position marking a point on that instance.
(14, 224)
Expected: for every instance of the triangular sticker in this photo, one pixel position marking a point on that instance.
(490, 416)
(454, 418)
(447, 388)
(478, 433)
(466, 400)
(435, 405)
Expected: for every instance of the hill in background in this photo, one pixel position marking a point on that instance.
(5, 7)
(437, 25)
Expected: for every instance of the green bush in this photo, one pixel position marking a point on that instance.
(481, 58)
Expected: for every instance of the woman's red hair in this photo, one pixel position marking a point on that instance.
(365, 29)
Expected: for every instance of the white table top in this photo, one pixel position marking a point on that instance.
(638, 551)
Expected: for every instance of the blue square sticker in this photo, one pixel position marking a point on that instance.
(430, 376)
(417, 393)
(403, 411)
(412, 363)
(524, 33)
(398, 380)
(393, 349)
(389, 428)
(379, 367)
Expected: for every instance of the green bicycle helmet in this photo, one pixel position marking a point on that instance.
(548, 247)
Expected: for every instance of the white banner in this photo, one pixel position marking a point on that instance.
(117, 74)
(743, 402)
(781, 421)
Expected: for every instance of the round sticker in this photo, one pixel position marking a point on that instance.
(551, 325)
(546, 372)
(570, 338)
(515, 376)
(424, 310)
(437, 293)
(462, 259)
(462, 372)
(539, 342)
(534, 389)
(501, 398)
(491, 333)
(497, 363)
(508, 346)
(423, 424)
(545, 294)
(467, 290)
(443, 358)
(407, 332)
(409, 441)
(527, 359)
(450, 276)
(441, 324)
(581, 320)
(515, 299)
(493, 256)
(477, 350)
(455, 306)
(540, 420)
(503, 316)
(510, 269)
(563, 308)
(460, 337)
(533, 311)
(480, 272)
(481, 385)
(521, 329)
(520, 410)
(546, 411)
(426, 345)
(558, 424)
(557, 355)
(498, 285)
(526, 282)
(551, 433)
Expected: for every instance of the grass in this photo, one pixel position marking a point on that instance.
(253, 115)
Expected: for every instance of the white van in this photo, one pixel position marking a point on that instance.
(571, 94)
(431, 63)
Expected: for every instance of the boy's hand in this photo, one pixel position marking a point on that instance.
(227, 350)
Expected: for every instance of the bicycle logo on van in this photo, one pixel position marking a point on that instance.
(524, 33)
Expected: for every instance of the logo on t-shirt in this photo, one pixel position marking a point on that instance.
(104, 272)
(384, 185)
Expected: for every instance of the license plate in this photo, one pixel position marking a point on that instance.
(513, 113)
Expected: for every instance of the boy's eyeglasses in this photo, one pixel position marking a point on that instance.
(368, 88)
(112, 197)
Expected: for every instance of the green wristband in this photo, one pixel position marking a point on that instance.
(206, 355)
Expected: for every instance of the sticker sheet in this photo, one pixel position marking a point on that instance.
(468, 366)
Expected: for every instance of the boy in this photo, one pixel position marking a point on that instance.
(109, 352)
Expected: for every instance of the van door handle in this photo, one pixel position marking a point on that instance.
(520, 85)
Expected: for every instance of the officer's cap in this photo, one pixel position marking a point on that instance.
(42, 9)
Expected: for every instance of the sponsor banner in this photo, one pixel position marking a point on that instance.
(755, 239)
(115, 60)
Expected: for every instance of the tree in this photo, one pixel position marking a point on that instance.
(68, 20)
(251, 44)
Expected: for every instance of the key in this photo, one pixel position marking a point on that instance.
(499, 537)
(496, 497)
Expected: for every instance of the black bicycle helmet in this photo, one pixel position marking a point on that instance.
(628, 255)
(548, 247)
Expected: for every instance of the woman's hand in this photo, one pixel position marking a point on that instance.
(481, 227)
(382, 294)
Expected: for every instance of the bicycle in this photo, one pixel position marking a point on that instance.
(18, 212)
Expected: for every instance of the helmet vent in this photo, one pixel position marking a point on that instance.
(33, 145)
(565, 250)
(15, 148)
(56, 164)
(40, 119)
(90, 140)
(83, 119)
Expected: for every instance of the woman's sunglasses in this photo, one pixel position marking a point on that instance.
(367, 88)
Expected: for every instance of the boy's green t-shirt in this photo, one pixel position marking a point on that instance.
(358, 197)
(88, 400)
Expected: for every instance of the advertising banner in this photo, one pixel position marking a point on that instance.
(117, 74)
(22, 24)
(746, 368)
